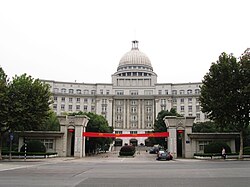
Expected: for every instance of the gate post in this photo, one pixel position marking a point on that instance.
(173, 123)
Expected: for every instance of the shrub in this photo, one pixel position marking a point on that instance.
(34, 146)
(216, 147)
(246, 150)
(127, 150)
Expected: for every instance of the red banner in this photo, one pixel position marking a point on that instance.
(112, 135)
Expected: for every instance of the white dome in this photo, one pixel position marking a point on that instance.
(135, 57)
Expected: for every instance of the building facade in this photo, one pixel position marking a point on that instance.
(132, 101)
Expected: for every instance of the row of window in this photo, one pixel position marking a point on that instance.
(135, 74)
(73, 108)
(132, 92)
(71, 100)
(134, 67)
(134, 118)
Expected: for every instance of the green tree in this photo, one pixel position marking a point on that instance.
(30, 103)
(160, 126)
(224, 97)
(4, 101)
(51, 124)
(209, 127)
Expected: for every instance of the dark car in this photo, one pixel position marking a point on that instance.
(163, 155)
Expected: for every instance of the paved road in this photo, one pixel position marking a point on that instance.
(110, 170)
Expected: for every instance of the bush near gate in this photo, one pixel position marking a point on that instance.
(34, 146)
(216, 147)
(127, 150)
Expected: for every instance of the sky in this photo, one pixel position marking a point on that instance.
(83, 41)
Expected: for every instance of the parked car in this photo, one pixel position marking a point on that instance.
(163, 155)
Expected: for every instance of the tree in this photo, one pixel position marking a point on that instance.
(24, 103)
(30, 103)
(209, 127)
(224, 97)
(4, 101)
(51, 124)
(160, 126)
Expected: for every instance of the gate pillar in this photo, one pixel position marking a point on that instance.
(73, 126)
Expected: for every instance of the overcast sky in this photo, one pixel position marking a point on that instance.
(84, 40)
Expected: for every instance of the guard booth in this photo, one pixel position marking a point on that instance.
(179, 128)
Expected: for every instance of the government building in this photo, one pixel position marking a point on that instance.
(132, 101)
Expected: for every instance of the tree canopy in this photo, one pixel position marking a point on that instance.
(24, 103)
(225, 93)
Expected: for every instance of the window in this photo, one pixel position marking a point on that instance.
(174, 92)
(104, 101)
(174, 100)
(159, 92)
(119, 109)
(133, 132)
(197, 91)
(118, 117)
(182, 100)
(62, 107)
(92, 92)
(85, 108)
(189, 91)
(149, 118)
(70, 99)
(149, 125)
(134, 92)
(133, 118)
(92, 108)
(71, 91)
(163, 102)
(166, 92)
(107, 92)
(104, 109)
(182, 92)
(70, 107)
(92, 100)
(63, 99)
(202, 144)
(63, 90)
(85, 100)
(133, 109)
(148, 109)
(101, 92)
(55, 106)
(133, 102)
(78, 99)
(190, 100)
(77, 107)
(190, 108)
(78, 91)
(55, 98)
(48, 143)
(182, 108)
(118, 132)
(118, 92)
(85, 92)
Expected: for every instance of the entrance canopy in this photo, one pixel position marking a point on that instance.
(112, 135)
